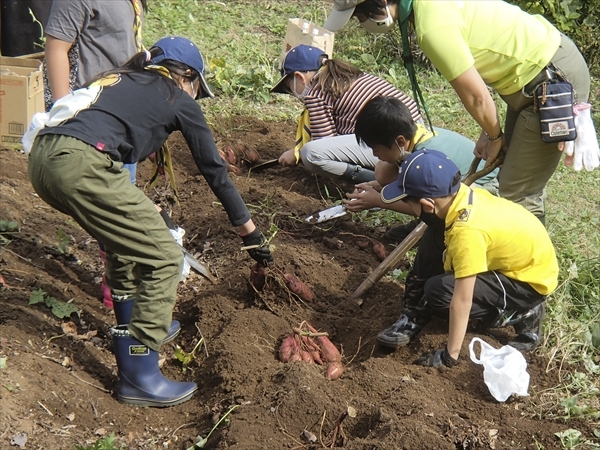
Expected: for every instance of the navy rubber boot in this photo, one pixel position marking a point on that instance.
(140, 381)
(123, 307)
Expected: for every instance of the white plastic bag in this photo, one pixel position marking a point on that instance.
(63, 109)
(178, 236)
(504, 369)
(38, 121)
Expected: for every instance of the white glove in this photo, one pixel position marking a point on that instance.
(586, 153)
(178, 234)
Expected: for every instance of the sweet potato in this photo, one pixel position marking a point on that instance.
(249, 155)
(379, 251)
(229, 155)
(306, 356)
(289, 347)
(233, 168)
(328, 350)
(298, 287)
(312, 347)
(334, 370)
(258, 276)
(316, 356)
(295, 357)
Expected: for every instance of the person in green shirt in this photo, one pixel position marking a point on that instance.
(476, 44)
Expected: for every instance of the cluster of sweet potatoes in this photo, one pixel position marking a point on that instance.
(237, 155)
(306, 344)
(258, 279)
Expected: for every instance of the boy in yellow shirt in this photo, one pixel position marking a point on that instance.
(499, 261)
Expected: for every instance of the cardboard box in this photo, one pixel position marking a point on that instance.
(21, 96)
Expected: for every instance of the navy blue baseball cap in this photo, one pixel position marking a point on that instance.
(301, 58)
(184, 51)
(423, 174)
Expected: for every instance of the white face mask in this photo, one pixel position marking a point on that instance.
(379, 26)
(194, 93)
(304, 92)
(403, 153)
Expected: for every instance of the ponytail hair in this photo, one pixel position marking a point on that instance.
(335, 77)
(141, 63)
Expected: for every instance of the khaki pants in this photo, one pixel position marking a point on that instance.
(143, 259)
(530, 162)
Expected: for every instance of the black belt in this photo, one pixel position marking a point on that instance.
(550, 72)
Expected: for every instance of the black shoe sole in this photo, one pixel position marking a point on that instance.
(395, 344)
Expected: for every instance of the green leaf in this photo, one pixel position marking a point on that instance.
(569, 438)
(12, 226)
(62, 309)
(184, 357)
(36, 297)
(51, 301)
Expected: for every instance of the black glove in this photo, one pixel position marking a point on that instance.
(260, 254)
(165, 215)
(437, 358)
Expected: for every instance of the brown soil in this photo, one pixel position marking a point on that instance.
(58, 389)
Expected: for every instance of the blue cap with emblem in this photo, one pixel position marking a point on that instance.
(424, 174)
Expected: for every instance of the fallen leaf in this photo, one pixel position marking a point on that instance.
(71, 417)
(69, 328)
(100, 432)
(86, 336)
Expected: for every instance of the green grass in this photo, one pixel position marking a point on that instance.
(241, 42)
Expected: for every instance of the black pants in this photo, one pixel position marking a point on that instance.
(493, 292)
(428, 260)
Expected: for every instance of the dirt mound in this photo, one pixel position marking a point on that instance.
(57, 387)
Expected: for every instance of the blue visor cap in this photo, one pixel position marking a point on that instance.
(184, 51)
(302, 58)
(424, 174)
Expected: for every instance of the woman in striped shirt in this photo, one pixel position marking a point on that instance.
(333, 93)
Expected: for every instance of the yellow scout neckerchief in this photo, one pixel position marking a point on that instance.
(162, 159)
(422, 134)
(303, 134)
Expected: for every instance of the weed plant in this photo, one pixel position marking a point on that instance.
(241, 42)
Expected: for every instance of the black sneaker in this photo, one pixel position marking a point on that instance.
(400, 232)
(401, 333)
(529, 329)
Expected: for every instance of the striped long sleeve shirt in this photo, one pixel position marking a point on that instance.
(330, 117)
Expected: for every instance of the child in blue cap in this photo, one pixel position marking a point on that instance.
(497, 272)
(333, 92)
(76, 166)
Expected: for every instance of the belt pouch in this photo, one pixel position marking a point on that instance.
(554, 103)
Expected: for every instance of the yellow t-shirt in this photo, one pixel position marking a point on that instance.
(484, 233)
(507, 46)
